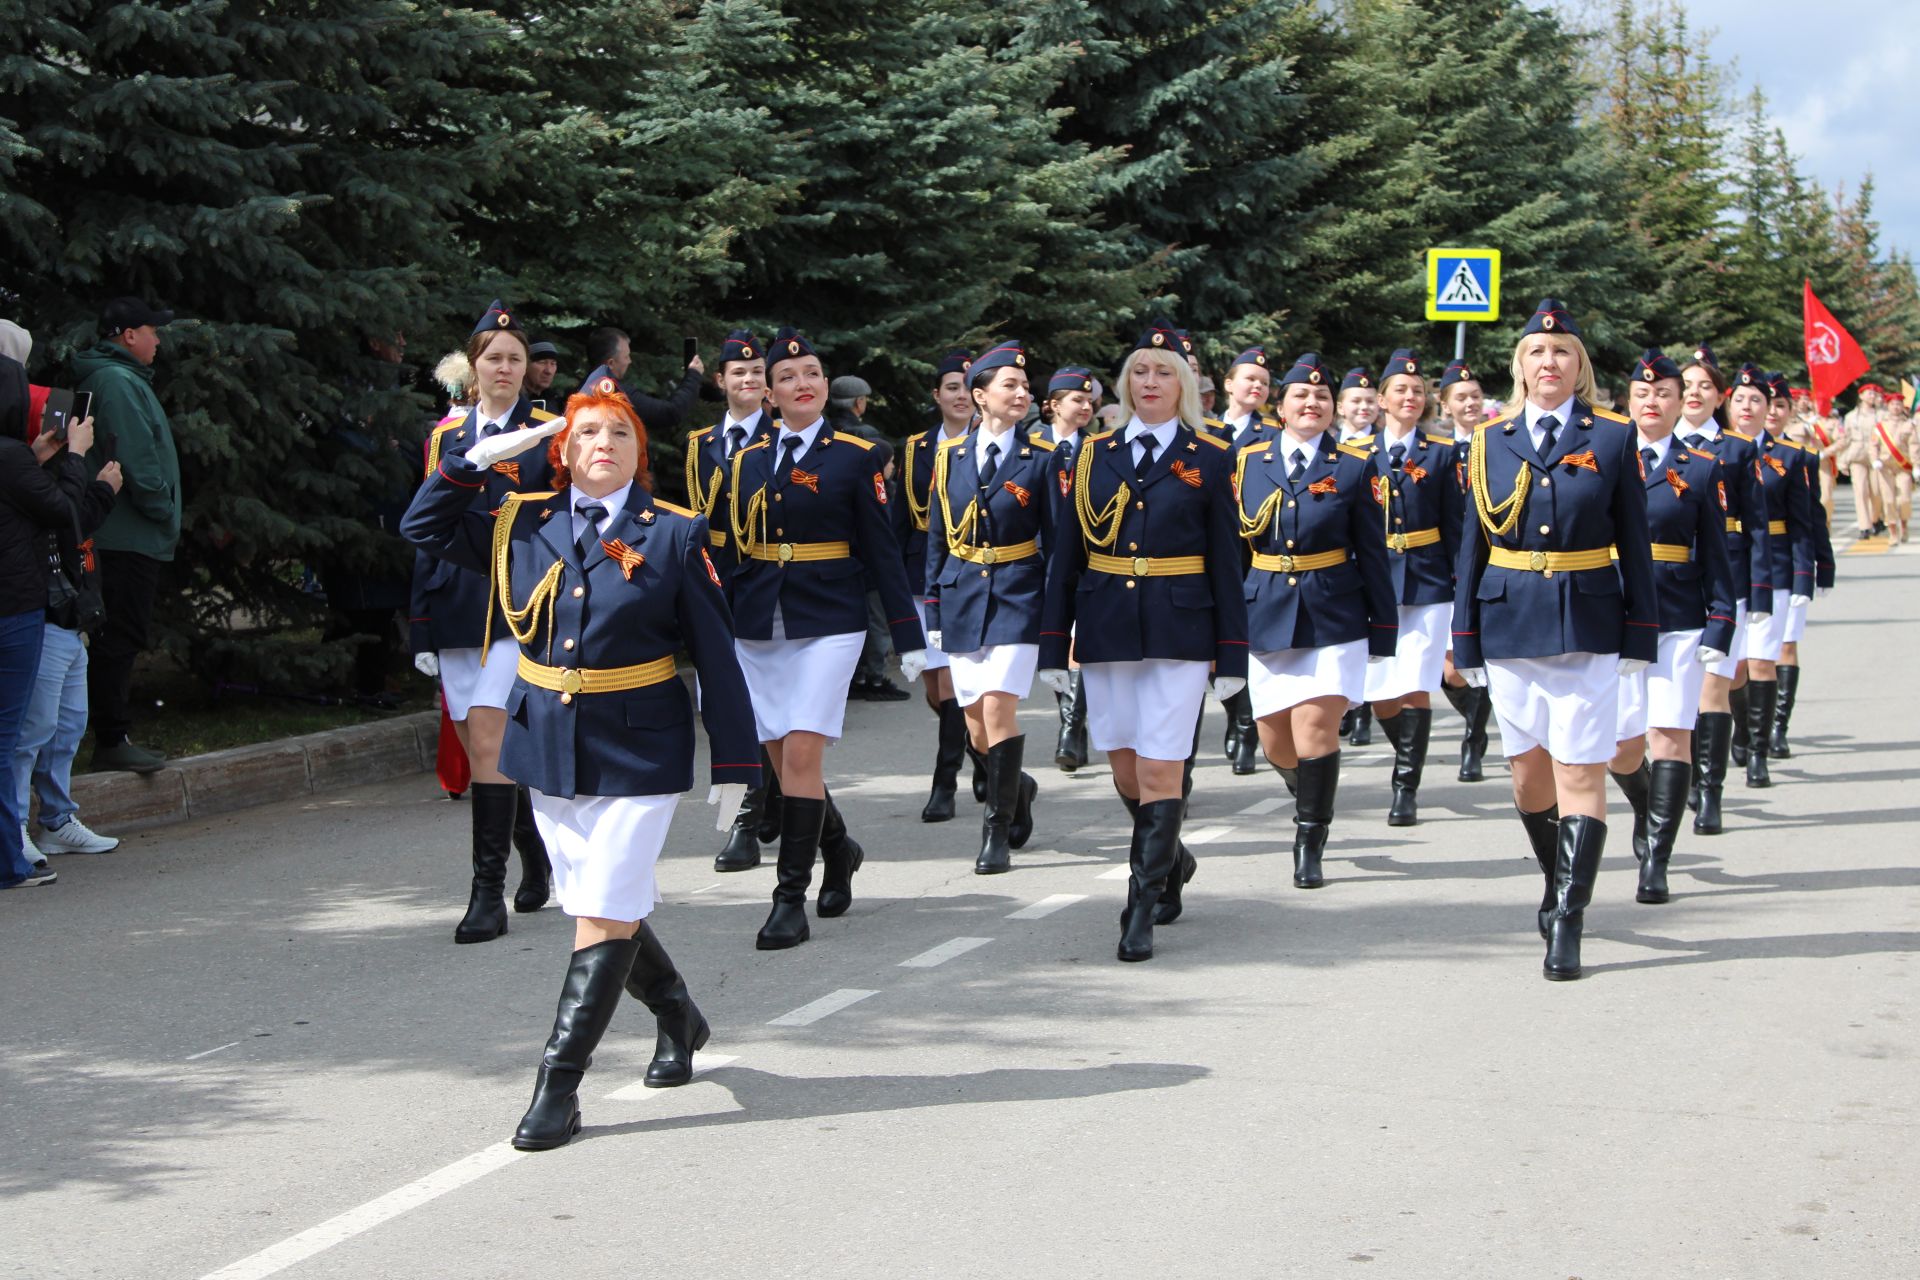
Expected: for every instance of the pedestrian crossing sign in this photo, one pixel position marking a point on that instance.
(1463, 284)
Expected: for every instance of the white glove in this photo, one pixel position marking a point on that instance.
(1799, 601)
(1225, 687)
(933, 640)
(1633, 666)
(1758, 615)
(1372, 658)
(729, 796)
(1709, 655)
(507, 444)
(427, 664)
(1476, 677)
(912, 663)
(1823, 592)
(1057, 680)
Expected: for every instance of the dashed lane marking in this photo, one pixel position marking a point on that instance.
(702, 1063)
(1047, 906)
(1115, 873)
(946, 951)
(831, 1003)
(1206, 835)
(208, 1053)
(1261, 808)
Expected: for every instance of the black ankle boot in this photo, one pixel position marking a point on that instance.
(742, 850)
(1760, 705)
(1004, 787)
(947, 756)
(1362, 734)
(1313, 817)
(770, 822)
(1714, 731)
(1156, 850)
(536, 872)
(1413, 729)
(1634, 787)
(1543, 834)
(840, 856)
(1071, 751)
(1787, 689)
(587, 1000)
(494, 804)
(1576, 865)
(800, 822)
(1738, 744)
(1666, 792)
(1245, 755)
(680, 1028)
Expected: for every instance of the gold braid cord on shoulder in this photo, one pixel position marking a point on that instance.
(525, 621)
(916, 509)
(960, 533)
(1252, 526)
(705, 502)
(1499, 519)
(1090, 520)
(743, 540)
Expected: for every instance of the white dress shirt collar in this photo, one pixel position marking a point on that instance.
(1562, 414)
(1660, 448)
(614, 502)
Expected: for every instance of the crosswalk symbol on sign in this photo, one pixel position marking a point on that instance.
(1463, 284)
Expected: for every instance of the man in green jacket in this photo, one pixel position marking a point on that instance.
(144, 527)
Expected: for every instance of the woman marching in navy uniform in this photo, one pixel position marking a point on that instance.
(601, 585)
(1703, 429)
(1462, 410)
(1788, 509)
(742, 378)
(808, 517)
(1243, 426)
(1686, 518)
(1780, 417)
(1320, 596)
(1070, 395)
(955, 403)
(452, 617)
(1542, 618)
(1148, 569)
(995, 495)
(1421, 518)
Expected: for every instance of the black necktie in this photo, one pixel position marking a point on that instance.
(1145, 464)
(593, 513)
(1649, 459)
(1548, 425)
(1397, 457)
(1696, 441)
(736, 436)
(1299, 467)
(991, 465)
(790, 454)
(489, 429)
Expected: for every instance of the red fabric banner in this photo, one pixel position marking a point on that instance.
(1834, 359)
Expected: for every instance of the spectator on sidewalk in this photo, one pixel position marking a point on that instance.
(610, 351)
(543, 367)
(43, 487)
(140, 535)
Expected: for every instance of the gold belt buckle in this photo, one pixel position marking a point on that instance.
(1286, 564)
(1537, 561)
(570, 681)
(1396, 542)
(990, 555)
(786, 552)
(1140, 566)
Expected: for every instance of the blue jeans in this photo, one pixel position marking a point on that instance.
(50, 734)
(21, 635)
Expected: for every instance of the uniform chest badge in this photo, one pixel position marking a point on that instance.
(805, 479)
(1066, 484)
(511, 470)
(879, 488)
(1722, 486)
(1020, 495)
(1187, 475)
(1382, 490)
(1585, 461)
(1678, 484)
(1414, 472)
(1325, 484)
(626, 556)
(708, 561)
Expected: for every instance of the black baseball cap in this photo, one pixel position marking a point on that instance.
(543, 350)
(131, 313)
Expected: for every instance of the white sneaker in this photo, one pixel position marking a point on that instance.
(76, 838)
(27, 846)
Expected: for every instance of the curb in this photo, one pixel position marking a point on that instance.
(240, 778)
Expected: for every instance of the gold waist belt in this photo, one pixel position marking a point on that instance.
(787, 552)
(1147, 566)
(1734, 526)
(997, 555)
(567, 681)
(1664, 552)
(1304, 564)
(1550, 561)
(1776, 526)
(718, 537)
(1407, 541)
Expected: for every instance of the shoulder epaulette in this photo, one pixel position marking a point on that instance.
(675, 508)
(1212, 423)
(761, 443)
(1095, 439)
(1213, 440)
(1354, 449)
(1435, 438)
(1365, 441)
(1611, 416)
(448, 424)
(1264, 446)
(1736, 435)
(1500, 421)
(541, 415)
(699, 432)
(458, 415)
(1045, 446)
(864, 443)
(952, 441)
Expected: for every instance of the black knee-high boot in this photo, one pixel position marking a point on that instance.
(1696, 768)
(769, 806)
(1155, 852)
(1575, 868)
(1543, 834)
(800, 821)
(979, 771)
(1246, 750)
(1071, 751)
(1634, 787)
(742, 850)
(536, 872)
(1362, 734)
(952, 749)
(1760, 706)
(680, 1028)
(1785, 694)
(1313, 817)
(1005, 787)
(1714, 731)
(840, 856)
(1473, 749)
(1737, 699)
(494, 804)
(587, 1000)
(1413, 728)
(1666, 794)
(1173, 898)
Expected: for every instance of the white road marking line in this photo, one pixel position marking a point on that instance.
(1261, 808)
(831, 1003)
(715, 885)
(1206, 835)
(944, 952)
(1047, 906)
(702, 1063)
(296, 1249)
(208, 1053)
(1116, 873)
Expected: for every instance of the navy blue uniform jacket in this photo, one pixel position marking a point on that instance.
(1184, 507)
(1748, 545)
(708, 475)
(1424, 494)
(1686, 508)
(1790, 497)
(447, 607)
(835, 492)
(603, 612)
(916, 483)
(1332, 507)
(976, 605)
(1595, 501)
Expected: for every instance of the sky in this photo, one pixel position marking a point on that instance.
(1840, 78)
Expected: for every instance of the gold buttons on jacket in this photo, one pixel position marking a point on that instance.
(1545, 529)
(1139, 506)
(566, 644)
(1546, 482)
(1133, 546)
(1289, 542)
(1129, 584)
(578, 592)
(776, 497)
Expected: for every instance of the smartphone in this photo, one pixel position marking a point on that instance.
(540, 405)
(82, 405)
(59, 411)
(689, 350)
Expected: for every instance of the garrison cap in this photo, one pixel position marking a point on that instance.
(1401, 361)
(497, 320)
(788, 344)
(1070, 378)
(1005, 355)
(1551, 317)
(959, 361)
(1654, 365)
(1456, 371)
(741, 345)
(1703, 354)
(1256, 356)
(1309, 369)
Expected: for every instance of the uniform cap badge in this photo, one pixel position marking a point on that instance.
(1546, 322)
(1313, 376)
(1159, 339)
(503, 320)
(606, 386)
(793, 348)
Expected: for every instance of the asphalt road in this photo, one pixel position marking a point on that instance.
(248, 1047)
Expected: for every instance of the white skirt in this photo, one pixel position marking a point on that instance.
(1667, 694)
(470, 683)
(603, 850)
(1147, 707)
(1282, 678)
(1569, 704)
(1419, 656)
(1796, 623)
(1728, 668)
(800, 684)
(1765, 637)
(935, 658)
(998, 668)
